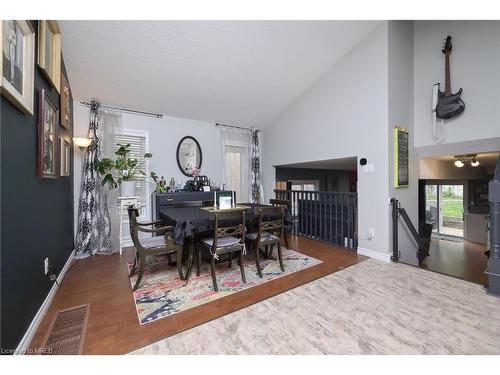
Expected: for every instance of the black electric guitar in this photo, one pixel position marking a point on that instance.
(449, 105)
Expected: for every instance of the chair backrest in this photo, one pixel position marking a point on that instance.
(133, 214)
(229, 223)
(271, 219)
(280, 202)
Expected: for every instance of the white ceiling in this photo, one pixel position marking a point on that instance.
(341, 164)
(486, 159)
(233, 72)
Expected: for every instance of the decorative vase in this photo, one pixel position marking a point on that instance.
(127, 189)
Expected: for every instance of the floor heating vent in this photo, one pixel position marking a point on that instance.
(67, 331)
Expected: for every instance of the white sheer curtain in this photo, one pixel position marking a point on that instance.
(111, 124)
(243, 146)
(236, 147)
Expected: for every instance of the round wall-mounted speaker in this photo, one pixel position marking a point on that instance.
(363, 161)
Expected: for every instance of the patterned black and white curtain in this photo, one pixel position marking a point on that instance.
(257, 195)
(93, 233)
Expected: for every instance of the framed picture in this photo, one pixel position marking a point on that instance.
(49, 51)
(401, 158)
(65, 105)
(17, 68)
(65, 149)
(47, 137)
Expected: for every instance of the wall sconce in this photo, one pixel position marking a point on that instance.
(82, 143)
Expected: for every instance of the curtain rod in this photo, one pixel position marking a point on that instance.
(236, 127)
(157, 115)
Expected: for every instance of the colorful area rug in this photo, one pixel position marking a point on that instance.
(162, 294)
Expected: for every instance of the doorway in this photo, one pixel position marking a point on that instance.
(444, 209)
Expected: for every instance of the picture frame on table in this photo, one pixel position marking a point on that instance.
(49, 52)
(48, 116)
(17, 65)
(65, 103)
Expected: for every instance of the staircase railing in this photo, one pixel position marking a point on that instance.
(423, 244)
(323, 215)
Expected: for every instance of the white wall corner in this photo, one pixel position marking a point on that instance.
(28, 336)
(384, 257)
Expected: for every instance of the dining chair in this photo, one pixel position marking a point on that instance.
(163, 243)
(286, 204)
(228, 237)
(269, 234)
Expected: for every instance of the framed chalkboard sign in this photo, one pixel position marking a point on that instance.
(401, 166)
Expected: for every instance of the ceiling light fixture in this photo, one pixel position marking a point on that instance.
(459, 163)
(474, 162)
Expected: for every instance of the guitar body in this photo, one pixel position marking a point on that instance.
(449, 105)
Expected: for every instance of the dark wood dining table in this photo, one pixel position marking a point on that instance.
(193, 223)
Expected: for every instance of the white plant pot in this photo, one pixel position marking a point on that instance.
(127, 189)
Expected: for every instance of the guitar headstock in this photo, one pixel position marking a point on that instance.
(447, 45)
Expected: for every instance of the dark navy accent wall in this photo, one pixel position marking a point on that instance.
(36, 217)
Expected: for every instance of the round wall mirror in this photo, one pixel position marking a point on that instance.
(189, 155)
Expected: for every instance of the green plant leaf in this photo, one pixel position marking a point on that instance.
(148, 155)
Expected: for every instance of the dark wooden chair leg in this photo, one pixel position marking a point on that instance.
(242, 268)
(198, 260)
(170, 261)
(212, 270)
(230, 260)
(132, 270)
(178, 255)
(190, 260)
(257, 262)
(141, 273)
(286, 241)
(280, 256)
(271, 250)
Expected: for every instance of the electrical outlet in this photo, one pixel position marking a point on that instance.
(371, 232)
(46, 265)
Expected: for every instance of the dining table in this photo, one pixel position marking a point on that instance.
(194, 222)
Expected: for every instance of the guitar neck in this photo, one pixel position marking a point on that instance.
(447, 75)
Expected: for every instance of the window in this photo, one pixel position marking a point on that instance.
(139, 145)
(236, 171)
(305, 185)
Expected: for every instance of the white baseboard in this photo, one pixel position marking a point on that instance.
(28, 336)
(384, 257)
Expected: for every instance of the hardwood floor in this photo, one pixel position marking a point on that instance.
(113, 326)
(465, 260)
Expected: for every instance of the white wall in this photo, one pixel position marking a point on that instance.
(475, 62)
(343, 114)
(164, 136)
(400, 48)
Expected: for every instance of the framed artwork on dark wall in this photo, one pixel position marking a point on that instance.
(49, 52)
(47, 137)
(65, 157)
(17, 67)
(65, 105)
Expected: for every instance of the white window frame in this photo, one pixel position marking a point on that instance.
(145, 212)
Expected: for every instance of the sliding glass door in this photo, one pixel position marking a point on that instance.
(444, 208)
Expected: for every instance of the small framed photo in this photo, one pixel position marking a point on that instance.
(65, 150)
(65, 105)
(47, 137)
(49, 51)
(17, 67)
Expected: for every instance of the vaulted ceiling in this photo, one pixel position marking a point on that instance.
(233, 72)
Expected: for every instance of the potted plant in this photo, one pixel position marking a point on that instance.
(123, 171)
